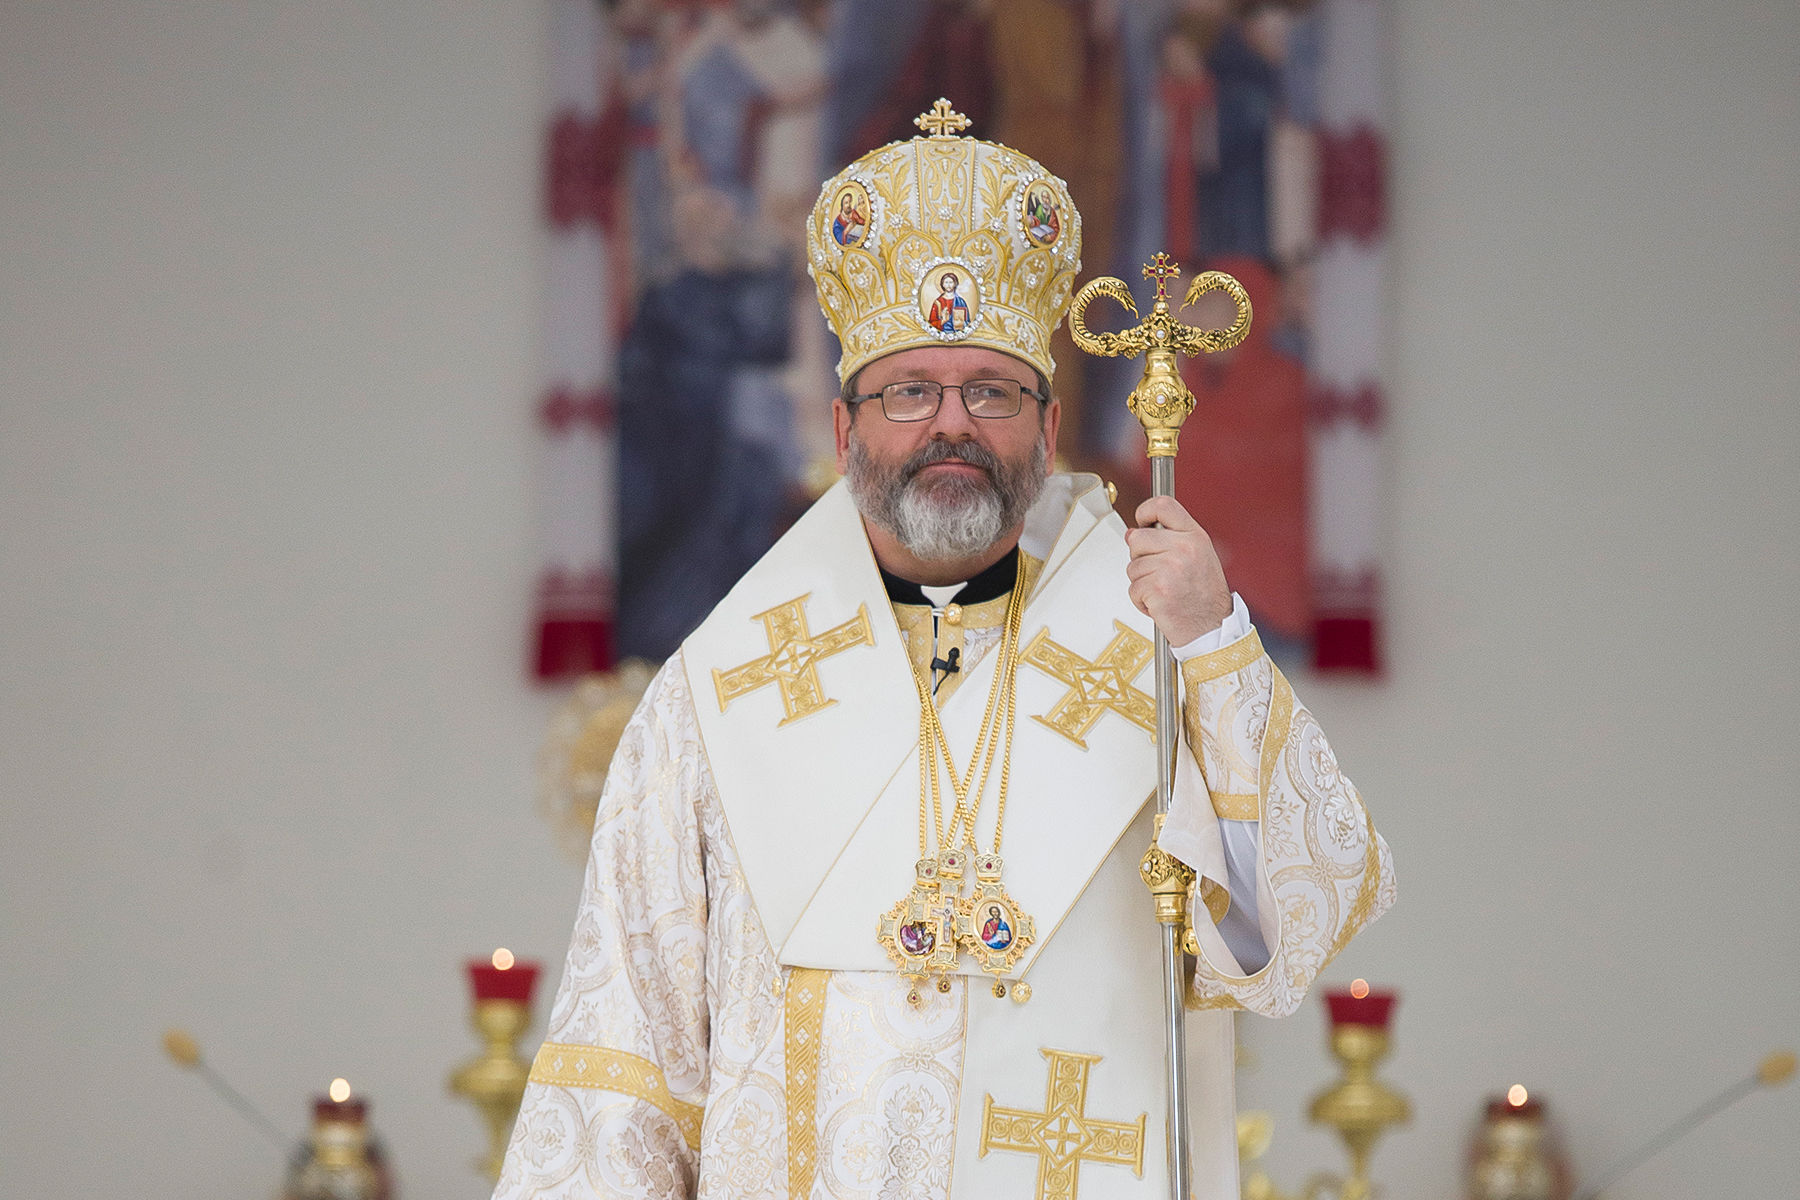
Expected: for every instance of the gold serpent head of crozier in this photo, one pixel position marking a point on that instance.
(1161, 401)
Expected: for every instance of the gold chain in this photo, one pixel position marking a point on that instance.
(1011, 663)
(974, 781)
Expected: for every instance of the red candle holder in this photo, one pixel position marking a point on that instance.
(1372, 1009)
(354, 1110)
(1359, 1106)
(502, 983)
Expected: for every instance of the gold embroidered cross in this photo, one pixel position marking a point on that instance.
(942, 120)
(1098, 687)
(1063, 1136)
(793, 659)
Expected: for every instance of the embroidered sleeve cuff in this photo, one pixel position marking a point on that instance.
(1230, 630)
(615, 1071)
(1226, 660)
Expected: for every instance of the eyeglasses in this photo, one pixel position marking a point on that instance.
(918, 399)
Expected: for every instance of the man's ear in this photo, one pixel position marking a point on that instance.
(842, 417)
(1052, 422)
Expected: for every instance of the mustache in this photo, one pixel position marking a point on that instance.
(972, 453)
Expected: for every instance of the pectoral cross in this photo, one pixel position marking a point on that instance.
(1095, 688)
(792, 663)
(1063, 1136)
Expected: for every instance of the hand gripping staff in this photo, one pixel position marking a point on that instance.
(1161, 402)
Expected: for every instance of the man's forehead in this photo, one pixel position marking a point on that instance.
(929, 362)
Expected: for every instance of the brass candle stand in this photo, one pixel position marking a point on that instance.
(1516, 1155)
(1359, 1106)
(494, 1081)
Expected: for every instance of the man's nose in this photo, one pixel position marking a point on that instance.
(953, 420)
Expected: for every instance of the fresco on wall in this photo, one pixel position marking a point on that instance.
(687, 142)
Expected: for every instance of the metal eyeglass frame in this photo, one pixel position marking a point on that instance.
(1024, 390)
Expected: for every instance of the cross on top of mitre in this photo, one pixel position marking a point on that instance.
(942, 120)
(1162, 269)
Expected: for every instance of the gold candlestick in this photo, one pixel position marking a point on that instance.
(1359, 1106)
(494, 1081)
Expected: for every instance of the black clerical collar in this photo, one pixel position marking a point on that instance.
(991, 584)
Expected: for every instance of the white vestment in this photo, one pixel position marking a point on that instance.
(728, 1026)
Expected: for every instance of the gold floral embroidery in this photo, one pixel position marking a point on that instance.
(1329, 872)
(1362, 911)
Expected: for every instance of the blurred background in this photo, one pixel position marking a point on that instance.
(285, 519)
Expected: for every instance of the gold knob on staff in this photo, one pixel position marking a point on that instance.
(1161, 401)
(1168, 878)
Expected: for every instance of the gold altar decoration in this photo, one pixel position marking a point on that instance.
(494, 1081)
(340, 1160)
(1359, 1106)
(578, 749)
(943, 240)
(1515, 1155)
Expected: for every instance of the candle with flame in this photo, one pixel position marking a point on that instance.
(495, 1080)
(1360, 1107)
(1515, 1154)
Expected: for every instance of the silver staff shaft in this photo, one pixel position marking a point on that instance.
(1174, 962)
(1161, 402)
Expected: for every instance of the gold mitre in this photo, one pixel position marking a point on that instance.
(944, 240)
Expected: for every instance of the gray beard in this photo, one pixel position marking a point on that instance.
(945, 519)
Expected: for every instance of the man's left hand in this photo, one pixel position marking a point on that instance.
(1176, 578)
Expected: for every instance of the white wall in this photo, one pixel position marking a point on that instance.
(1586, 757)
(269, 309)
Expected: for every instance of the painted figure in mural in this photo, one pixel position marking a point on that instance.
(1245, 65)
(849, 225)
(743, 1014)
(724, 103)
(949, 312)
